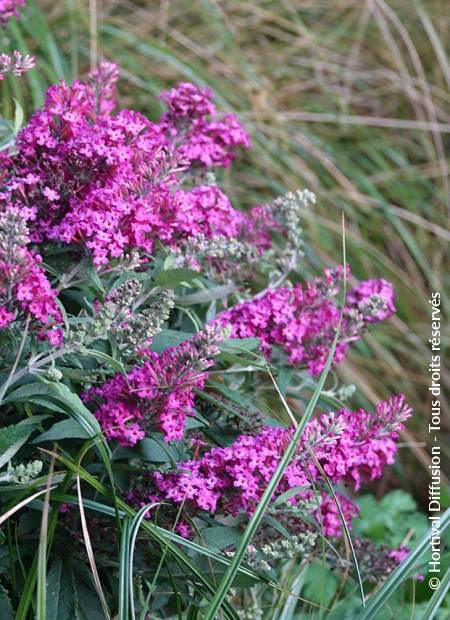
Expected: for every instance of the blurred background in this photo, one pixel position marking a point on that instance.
(348, 98)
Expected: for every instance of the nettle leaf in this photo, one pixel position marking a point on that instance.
(398, 502)
(13, 437)
(66, 429)
(88, 605)
(320, 584)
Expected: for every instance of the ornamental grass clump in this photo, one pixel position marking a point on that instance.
(155, 343)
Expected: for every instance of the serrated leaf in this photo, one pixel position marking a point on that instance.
(320, 584)
(397, 502)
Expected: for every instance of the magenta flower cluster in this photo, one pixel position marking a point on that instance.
(192, 124)
(111, 182)
(24, 287)
(302, 320)
(157, 394)
(206, 210)
(9, 8)
(349, 446)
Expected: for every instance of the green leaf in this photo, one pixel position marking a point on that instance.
(320, 584)
(157, 452)
(172, 277)
(203, 297)
(60, 592)
(105, 359)
(6, 610)
(66, 429)
(397, 502)
(221, 537)
(88, 605)
(13, 437)
(70, 593)
(71, 403)
(18, 116)
(240, 344)
(435, 602)
(287, 495)
(125, 578)
(169, 338)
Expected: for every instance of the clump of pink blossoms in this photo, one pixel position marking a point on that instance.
(192, 123)
(9, 8)
(158, 394)
(111, 181)
(350, 446)
(302, 320)
(24, 288)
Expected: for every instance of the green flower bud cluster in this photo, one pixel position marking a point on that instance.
(345, 392)
(13, 232)
(288, 210)
(118, 317)
(24, 472)
(264, 556)
(139, 328)
(220, 257)
(251, 613)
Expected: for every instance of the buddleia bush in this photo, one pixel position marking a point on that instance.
(159, 348)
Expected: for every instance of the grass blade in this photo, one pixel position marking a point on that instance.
(41, 602)
(134, 529)
(90, 552)
(435, 601)
(124, 565)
